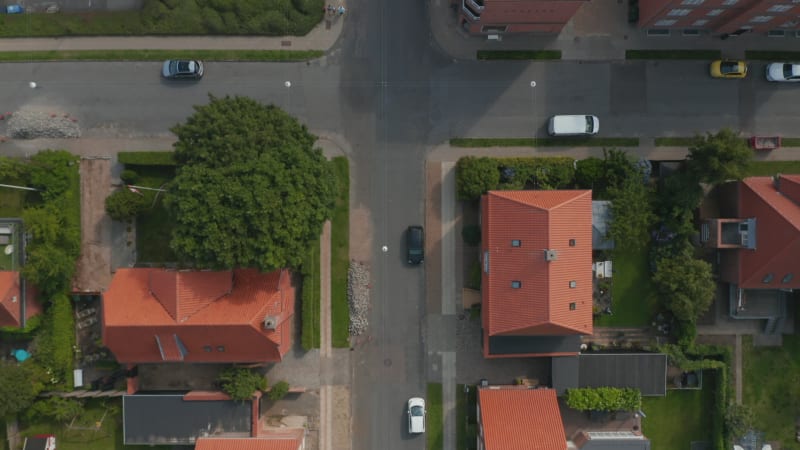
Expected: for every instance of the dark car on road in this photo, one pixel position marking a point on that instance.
(179, 69)
(415, 244)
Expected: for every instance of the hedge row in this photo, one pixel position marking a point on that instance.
(175, 17)
(310, 297)
(604, 399)
(147, 158)
(55, 340)
(477, 175)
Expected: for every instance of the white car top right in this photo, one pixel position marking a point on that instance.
(783, 71)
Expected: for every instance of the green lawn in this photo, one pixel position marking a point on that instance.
(340, 256)
(434, 431)
(632, 293)
(310, 297)
(681, 417)
(770, 168)
(154, 226)
(770, 387)
(11, 201)
(108, 437)
(466, 417)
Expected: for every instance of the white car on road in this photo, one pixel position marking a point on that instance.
(783, 71)
(416, 415)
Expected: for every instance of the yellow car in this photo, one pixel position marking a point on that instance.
(724, 68)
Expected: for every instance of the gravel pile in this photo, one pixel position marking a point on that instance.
(37, 124)
(358, 297)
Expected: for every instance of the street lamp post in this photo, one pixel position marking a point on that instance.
(533, 115)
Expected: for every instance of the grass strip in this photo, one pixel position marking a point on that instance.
(545, 142)
(772, 55)
(434, 430)
(340, 256)
(673, 54)
(674, 141)
(160, 55)
(790, 142)
(771, 168)
(310, 335)
(518, 55)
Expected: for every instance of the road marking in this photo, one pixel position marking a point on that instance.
(448, 237)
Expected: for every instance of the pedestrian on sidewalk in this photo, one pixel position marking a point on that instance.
(331, 11)
(341, 10)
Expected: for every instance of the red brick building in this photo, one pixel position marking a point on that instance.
(536, 282)
(157, 315)
(516, 16)
(724, 17)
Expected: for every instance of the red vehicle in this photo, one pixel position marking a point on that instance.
(765, 142)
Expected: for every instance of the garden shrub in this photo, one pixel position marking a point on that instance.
(125, 205)
(57, 408)
(241, 383)
(604, 399)
(475, 176)
(278, 391)
(129, 176)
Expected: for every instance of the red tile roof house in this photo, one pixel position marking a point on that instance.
(757, 235)
(521, 418)
(13, 311)
(518, 418)
(162, 316)
(536, 284)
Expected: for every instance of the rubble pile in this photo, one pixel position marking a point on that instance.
(37, 125)
(358, 297)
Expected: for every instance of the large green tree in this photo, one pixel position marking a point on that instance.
(685, 285)
(715, 158)
(251, 190)
(19, 386)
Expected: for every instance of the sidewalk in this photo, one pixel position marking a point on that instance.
(599, 31)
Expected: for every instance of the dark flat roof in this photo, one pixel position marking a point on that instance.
(515, 345)
(168, 419)
(564, 373)
(644, 371)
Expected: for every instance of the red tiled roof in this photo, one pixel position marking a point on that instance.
(10, 301)
(247, 444)
(777, 232)
(544, 303)
(209, 328)
(518, 418)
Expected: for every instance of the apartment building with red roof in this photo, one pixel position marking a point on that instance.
(17, 300)
(757, 236)
(260, 443)
(159, 315)
(721, 17)
(536, 283)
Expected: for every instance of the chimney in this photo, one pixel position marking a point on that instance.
(550, 255)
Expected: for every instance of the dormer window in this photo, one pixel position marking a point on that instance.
(516, 284)
(767, 278)
(787, 278)
(516, 243)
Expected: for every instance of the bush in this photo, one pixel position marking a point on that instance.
(147, 158)
(278, 391)
(590, 173)
(471, 234)
(57, 408)
(475, 176)
(475, 274)
(241, 383)
(604, 399)
(129, 176)
(125, 205)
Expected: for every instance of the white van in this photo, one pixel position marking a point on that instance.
(573, 125)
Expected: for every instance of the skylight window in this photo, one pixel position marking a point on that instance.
(516, 243)
(516, 284)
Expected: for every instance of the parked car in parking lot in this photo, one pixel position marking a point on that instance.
(728, 68)
(179, 69)
(783, 71)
